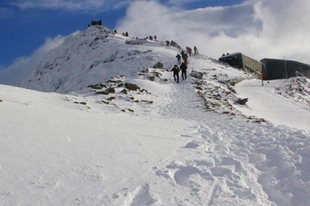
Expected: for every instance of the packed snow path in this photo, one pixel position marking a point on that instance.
(231, 162)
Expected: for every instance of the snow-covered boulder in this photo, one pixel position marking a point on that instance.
(196, 74)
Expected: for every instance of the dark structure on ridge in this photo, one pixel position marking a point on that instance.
(241, 61)
(283, 69)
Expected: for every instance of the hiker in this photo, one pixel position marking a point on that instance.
(155, 37)
(183, 68)
(99, 22)
(176, 71)
(178, 58)
(167, 43)
(189, 51)
(150, 38)
(184, 57)
(115, 31)
(195, 50)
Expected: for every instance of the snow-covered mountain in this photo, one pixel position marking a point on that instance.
(120, 131)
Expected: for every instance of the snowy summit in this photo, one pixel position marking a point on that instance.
(102, 122)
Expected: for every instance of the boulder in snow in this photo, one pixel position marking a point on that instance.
(107, 91)
(158, 65)
(242, 101)
(110, 90)
(132, 87)
(1, 100)
(151, 78)
(196, 74)
(97, 86)
(124, 91)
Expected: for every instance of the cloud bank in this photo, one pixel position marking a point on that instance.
(24, 67)
(258, 28)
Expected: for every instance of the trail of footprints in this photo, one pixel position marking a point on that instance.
(206, 174)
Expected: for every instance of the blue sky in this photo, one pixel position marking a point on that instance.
(25, 27)
(257, 28)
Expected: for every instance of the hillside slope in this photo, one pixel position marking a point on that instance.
(124, 133)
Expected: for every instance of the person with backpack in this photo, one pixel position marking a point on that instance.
(176, 71)
(183, 68)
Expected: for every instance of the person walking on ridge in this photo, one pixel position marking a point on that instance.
(183, 68)
(178, 58)
(195, 50)
(176, 71)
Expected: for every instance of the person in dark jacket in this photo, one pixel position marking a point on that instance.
(183, 68)
(176, 71)
(178, 58)
(195, 50)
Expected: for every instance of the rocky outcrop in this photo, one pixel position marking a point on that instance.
(242, 101)
(132, 87)
(97, 86)
(158, 65)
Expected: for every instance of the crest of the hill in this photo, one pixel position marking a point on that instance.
(93, 56)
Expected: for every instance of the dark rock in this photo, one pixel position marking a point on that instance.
(97, 86)
(151, 78)
(111, 98)
(114, 81)
(132, 87)
(124, 91)
(120, 84)
(102, 92)
(1, 100)
(147, 101)
(131, 110)
(105, 102)
(199, 88)
(158, 65)
(231, 89)
(144, 90)
(110, 90)
(242, 101)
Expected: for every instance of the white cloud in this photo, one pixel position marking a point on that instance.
(72, 5)
(258, 28)
(23, 67)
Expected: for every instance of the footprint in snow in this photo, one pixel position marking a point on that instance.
(140, 196)
(192, 145)
(182, 176)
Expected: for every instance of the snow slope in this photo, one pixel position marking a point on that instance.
(161, 144)
(266, 103)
